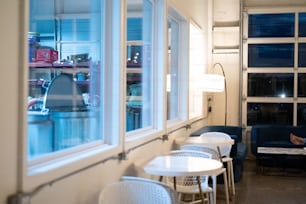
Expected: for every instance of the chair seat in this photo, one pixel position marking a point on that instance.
(192, 189)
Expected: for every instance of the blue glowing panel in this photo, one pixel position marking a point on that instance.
(271, 55)
(271, 25)
(302, 25)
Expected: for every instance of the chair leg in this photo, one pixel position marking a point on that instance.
(214, 184)
(179, 197)
(210, 196)
(226, 187)
(193, 197)
(231, 177)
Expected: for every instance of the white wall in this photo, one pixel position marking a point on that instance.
(82, 188)
(9, 104)
(231, 65)
(226, 51)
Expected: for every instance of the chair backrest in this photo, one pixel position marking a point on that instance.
(135, 192)
(189, 181)
(225, 150)
(201, 148)
(230, 130)
(172, 192)
(189, 153)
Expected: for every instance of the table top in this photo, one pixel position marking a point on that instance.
(182, 166)
(280, 150)
(218, 141)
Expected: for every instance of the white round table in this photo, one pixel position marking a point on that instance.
(183, 166)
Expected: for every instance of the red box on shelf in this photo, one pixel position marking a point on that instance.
(46, 55)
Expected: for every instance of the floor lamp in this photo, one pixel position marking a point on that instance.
(215, 83)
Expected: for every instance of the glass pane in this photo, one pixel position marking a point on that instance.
(271, 25)
(302, 55)
(301, 114)
(139, 64)
(64, 75)
(134, 28)
(271, 55)
(196, 64)
(269, 113)
(301, 85)
(302, 25)
(270, 85)
(173, 74)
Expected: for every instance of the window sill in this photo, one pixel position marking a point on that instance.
(50, 171)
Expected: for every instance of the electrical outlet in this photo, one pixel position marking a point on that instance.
(209, 109)
(209, 98)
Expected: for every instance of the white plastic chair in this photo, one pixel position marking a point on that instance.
(173, 193)
(189, 184)
(225, 151)
(215, 155)
(135, 192)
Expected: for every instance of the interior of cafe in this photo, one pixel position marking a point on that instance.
(153, 101)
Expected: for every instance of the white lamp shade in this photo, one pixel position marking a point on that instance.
(211, 83)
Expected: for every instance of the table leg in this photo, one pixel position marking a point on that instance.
(174, 183)
(200, 189)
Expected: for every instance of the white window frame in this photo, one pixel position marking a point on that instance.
(182, 81)
(142, 135)
(62, 163)
(197, 63)
(295, 40)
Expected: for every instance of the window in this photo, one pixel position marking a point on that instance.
(65, 76)
(139, 97)
(271, 55)
(270, 84)
(274, 74)
(271, 25)
(270, 113)
(196, 69)
(173, 69)
(176, 94)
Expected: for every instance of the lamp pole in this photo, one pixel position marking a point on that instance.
(225, 90)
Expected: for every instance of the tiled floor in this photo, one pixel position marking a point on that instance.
(275, 188)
